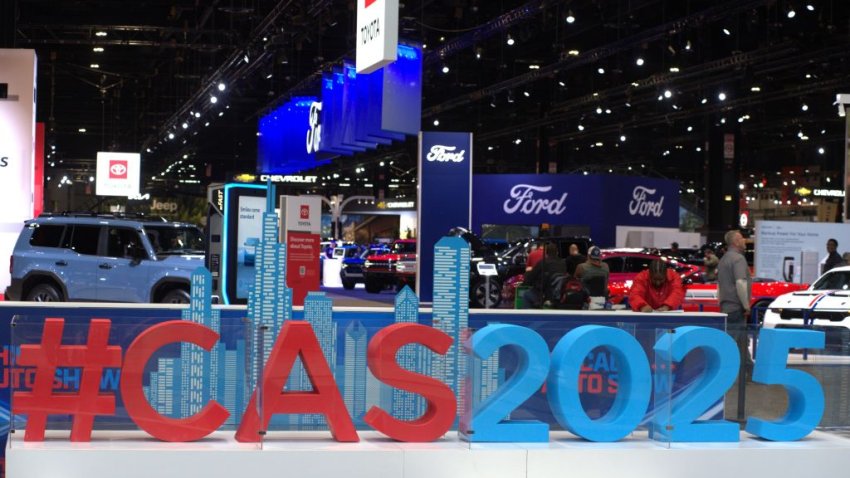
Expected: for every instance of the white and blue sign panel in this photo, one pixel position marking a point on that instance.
(601, 202)
(445, 197)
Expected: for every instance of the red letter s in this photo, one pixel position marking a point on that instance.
(442, 405)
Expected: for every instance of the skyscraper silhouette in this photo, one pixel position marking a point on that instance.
(451, 311)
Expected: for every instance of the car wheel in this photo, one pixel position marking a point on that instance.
(175, 296)
(348, 284)
(480, 294)
(44, 293)
(760, 307)
(373, 287)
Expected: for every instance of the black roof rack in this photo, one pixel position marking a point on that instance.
(120, 215)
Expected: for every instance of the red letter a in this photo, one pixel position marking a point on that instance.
(297, 339)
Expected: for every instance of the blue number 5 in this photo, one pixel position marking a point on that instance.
(805, 394)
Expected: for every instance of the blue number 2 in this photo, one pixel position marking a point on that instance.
(805, 394)
(488, 423)
(721, 367)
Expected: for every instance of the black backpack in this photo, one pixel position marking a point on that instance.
(566, 292)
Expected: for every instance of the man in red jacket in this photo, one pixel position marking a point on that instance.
(657, 289)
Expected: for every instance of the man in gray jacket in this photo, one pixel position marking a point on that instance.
(734, 285)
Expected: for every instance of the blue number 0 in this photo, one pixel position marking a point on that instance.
(488, 423)
(634, 384)
(721, 366)
(805, 394)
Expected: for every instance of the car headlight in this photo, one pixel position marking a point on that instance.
(367, 264)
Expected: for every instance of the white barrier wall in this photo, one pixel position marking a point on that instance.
(659, 237)
(17, 149)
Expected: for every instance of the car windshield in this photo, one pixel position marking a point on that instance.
(404, 248)
(839, 280)
(167, 240)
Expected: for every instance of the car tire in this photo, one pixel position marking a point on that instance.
(374, 287)
(348, 284)
(479, 294)
(761, 307)
(175, 296)
(44, 293)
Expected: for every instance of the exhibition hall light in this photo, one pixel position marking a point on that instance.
(445, 69)
(727, 32)
(805, 107)
(639, 61)
(721, 96)
(510, 41)
(821, 150)
(97, 49)
(668, 94)
(222, 87)
(571, 18)
(756, 89)
(600, 70)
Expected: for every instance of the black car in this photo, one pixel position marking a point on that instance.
(479, 295)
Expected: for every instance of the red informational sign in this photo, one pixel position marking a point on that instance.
(302, 264)
(367, 3)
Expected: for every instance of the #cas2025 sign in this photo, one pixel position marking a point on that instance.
(118, 174)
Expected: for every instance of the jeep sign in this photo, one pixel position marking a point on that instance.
(118, 174)
(377, 34)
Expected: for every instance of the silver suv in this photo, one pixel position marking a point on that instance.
(104, 258)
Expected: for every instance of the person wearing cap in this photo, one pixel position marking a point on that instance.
(594, 273)
(656, 289)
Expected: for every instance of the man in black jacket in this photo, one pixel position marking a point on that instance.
(539, 278)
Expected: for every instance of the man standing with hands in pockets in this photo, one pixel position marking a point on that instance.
(734, 284)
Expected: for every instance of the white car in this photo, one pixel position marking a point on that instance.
(825, 306)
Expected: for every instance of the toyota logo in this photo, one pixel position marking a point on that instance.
(118, 169)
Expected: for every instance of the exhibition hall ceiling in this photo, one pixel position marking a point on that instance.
(620, 86)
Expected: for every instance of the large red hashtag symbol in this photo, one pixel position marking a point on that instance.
(83, 406)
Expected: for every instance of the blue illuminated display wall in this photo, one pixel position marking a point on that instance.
(353, 114)
(282, 142)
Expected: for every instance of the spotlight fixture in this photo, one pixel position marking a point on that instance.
(668, 94)
(478, 53)
(570, 17)
(103, 34)
(600, 70)
(821, 150)
(639, 61)
(436, 122)
(622, 138)
(94, 66)
(97, 49)
(170, 135)
(805, 107)
(213, 99)
(810, 7)
(581, 127)
(222, 87)
(510, 41)
(185, 125)
(721, 96)
(445, 69)
(756, 89)
(526, 94)
(510, 97)
(727, 32)
(791, 13)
